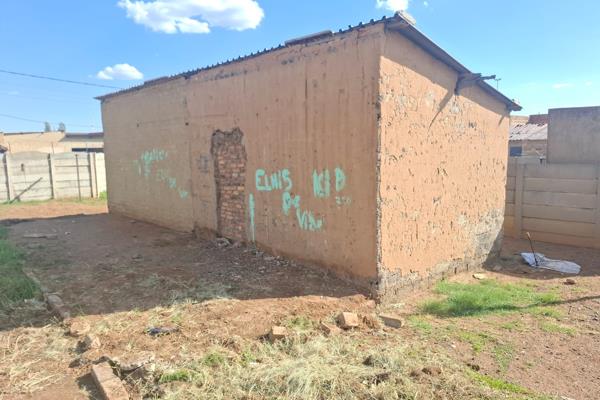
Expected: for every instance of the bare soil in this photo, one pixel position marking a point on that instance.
(121, 277)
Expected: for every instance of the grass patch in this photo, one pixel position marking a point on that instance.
(503, 354)
(420, 324)
(512, 326)
(300, 323)
(180, 375)
(485, 297)
(14, 284)
(550, 327)
(500, 384)
(477, 340)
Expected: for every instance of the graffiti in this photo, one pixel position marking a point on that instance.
(289, 201)
(307, 221)
(251, 207)
(275, 181)
(144, 167)
(149, 157)
(322, 182)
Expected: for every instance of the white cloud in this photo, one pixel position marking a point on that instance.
(393, 5)
(589, 83)
(120, 71)
(562, 85)
(426, 3)
(194, 16)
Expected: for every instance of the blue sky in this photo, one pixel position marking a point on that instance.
(546, 52)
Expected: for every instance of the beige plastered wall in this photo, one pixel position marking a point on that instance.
(306, 109)
(147, 155)
(442, 170)
(574, 135)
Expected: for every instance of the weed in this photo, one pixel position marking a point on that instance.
(546, 312)
(503, 354)
(300, 323)
(500, 384)
(515, 325)
(15, 285)
(213, 359)
(486, 297)
(420, 324)
(550, 327)
(180, 375)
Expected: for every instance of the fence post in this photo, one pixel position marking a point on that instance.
(10, 190)
(78, 178)
(53, 187)
(92, 169)
(519, 189)
(597, 228)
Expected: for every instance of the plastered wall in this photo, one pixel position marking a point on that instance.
(442, 169)
(574, 135)
(147, 155)
(307, 116)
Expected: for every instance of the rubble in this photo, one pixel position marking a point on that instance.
(277, 333)
(391, 320)
(108, 383)
(347, 320)
(330, 329)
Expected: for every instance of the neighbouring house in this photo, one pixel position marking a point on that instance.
(528, 136)
(371, 152)
(51, 142)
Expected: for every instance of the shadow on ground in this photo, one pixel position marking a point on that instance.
(101, 264)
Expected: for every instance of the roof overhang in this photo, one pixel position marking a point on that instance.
(408, 30)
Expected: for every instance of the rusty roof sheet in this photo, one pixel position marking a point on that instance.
(397, 23)
(528, 132)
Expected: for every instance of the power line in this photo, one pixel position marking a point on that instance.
(58, 79)
(42, 122)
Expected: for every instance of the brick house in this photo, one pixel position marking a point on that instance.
(370, 152)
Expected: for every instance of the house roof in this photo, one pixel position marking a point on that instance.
(396, 23)
(528, 131)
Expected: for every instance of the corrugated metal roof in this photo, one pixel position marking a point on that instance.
(397, 23)
(528, 132)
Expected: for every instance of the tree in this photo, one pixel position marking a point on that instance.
(47, 127)
(61, 127)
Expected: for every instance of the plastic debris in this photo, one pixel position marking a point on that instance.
(538, 260)
(161, 330)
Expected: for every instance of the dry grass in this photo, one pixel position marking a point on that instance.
(28, 358)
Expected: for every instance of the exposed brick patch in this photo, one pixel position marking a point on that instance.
(229, 156)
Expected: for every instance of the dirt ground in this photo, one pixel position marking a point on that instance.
(120, 277)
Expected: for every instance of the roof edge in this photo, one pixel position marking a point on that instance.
(397, 23)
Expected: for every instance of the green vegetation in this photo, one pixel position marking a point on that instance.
(180, 375)
(500, 384)
(418, 323)
(485, 297)
(103, 196)
(14, 284)
(550, 327)
(503, 354)
(300, 323)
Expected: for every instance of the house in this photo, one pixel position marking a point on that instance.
(51, 142)
(370, 152)
(528, 135)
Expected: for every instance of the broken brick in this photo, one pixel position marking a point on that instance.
(347, 320)
(391, 320)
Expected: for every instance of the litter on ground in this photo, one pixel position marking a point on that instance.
(538, 260)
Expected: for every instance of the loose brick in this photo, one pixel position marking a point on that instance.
(277, 333)
(347, 320)
(330, 329)
(108, 383)
(392, 320)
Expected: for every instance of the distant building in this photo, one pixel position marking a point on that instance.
(51, 142)
(528, 135)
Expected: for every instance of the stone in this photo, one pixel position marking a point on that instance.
(432, 370)
(90, 342)
(108, 383)
(480, 277)
(371, 321)
(277, 333)
(497, 268)
(330, 329)
(391, 320)
(347, 320)
(79, 328)
(570, 281)
(57, 306)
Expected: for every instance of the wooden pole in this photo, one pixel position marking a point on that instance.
(53, 187)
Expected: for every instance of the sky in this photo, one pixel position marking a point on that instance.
(545, 52)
